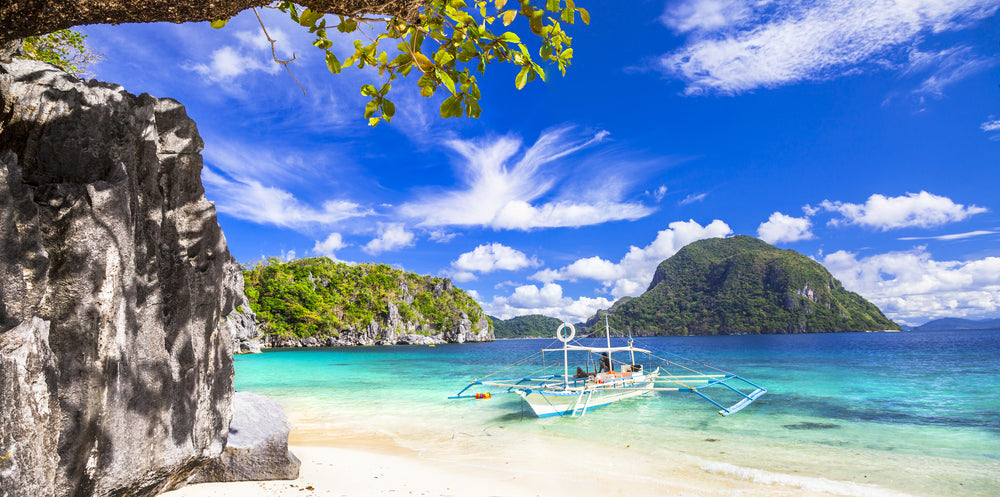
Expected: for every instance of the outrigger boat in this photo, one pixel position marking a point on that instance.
(565, 394)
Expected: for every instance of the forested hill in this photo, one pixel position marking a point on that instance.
(363, 304)
(535, 325)
(743, 285)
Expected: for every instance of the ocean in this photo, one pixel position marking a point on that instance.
(880, 414)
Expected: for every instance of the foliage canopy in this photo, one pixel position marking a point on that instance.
(65, 48)
(450, 44)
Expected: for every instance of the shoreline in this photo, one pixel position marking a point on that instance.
(496, 464)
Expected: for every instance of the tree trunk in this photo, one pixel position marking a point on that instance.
(23, 18)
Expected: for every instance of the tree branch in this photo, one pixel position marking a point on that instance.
(23, 18)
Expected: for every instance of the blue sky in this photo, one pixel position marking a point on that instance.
(865, 135)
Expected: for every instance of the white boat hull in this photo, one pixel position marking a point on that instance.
(577, 400)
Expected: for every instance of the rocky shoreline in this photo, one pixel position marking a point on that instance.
(249, 337)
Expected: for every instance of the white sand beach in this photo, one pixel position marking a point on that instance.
(472, 466)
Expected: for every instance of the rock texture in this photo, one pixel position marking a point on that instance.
(107, 239)
(246, 329)
(258, 444)
(29, 426)
(393, 332)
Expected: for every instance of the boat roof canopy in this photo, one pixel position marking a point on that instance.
(598, 349)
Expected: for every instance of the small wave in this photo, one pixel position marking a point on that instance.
(807, 483)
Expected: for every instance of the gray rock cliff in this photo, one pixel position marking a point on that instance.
(257, 448)
(107, 241)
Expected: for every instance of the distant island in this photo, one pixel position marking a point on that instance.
(742, 285)
(959, 324)
(530, 326)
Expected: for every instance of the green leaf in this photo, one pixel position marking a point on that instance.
(510, 37)
(218, 23)
(388, 108)
(584, 16)
(309, 17)
(332, 63)
(385, 89)
(369, 91)
(446, 79)
(446, 106)
(370, 108)
(521, 79)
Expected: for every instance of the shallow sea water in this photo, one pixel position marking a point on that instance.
(852, 413)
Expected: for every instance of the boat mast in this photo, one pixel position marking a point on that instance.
(565, 366)
(607, 333)
(631, 352)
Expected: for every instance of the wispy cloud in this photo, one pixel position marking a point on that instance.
(252, 201)
(692, 198)
(784, 228)
(922, 210)
(945, 67)
(632, 274)
(912, 285)
(500, 190)
(658, 193)
(955, 236)
(735, 46)
(991, 128)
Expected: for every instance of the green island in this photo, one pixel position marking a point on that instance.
(530, 326)
(320, 298)
(742, 285)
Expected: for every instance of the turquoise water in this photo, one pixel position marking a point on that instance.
(855, 413)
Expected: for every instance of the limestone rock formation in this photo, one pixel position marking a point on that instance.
(258, 444)
(246, 329)
(106, 237)
(29, 426)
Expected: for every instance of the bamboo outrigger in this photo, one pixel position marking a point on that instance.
(573, 395)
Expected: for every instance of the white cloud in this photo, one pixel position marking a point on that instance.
(441, 236)
(911, 286)
(992, 127)
(954, 236)
(658, 193)
(251, 53)
(947, 67)
(923, 210)
(391, 236)
(632, 274)
(489, 258)
(696, 15)
(692, 198)
(783, 228)
(735, 47)
(252, 201)
(252, 162)
(547, 300)
(331, 244)
(503, 193)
